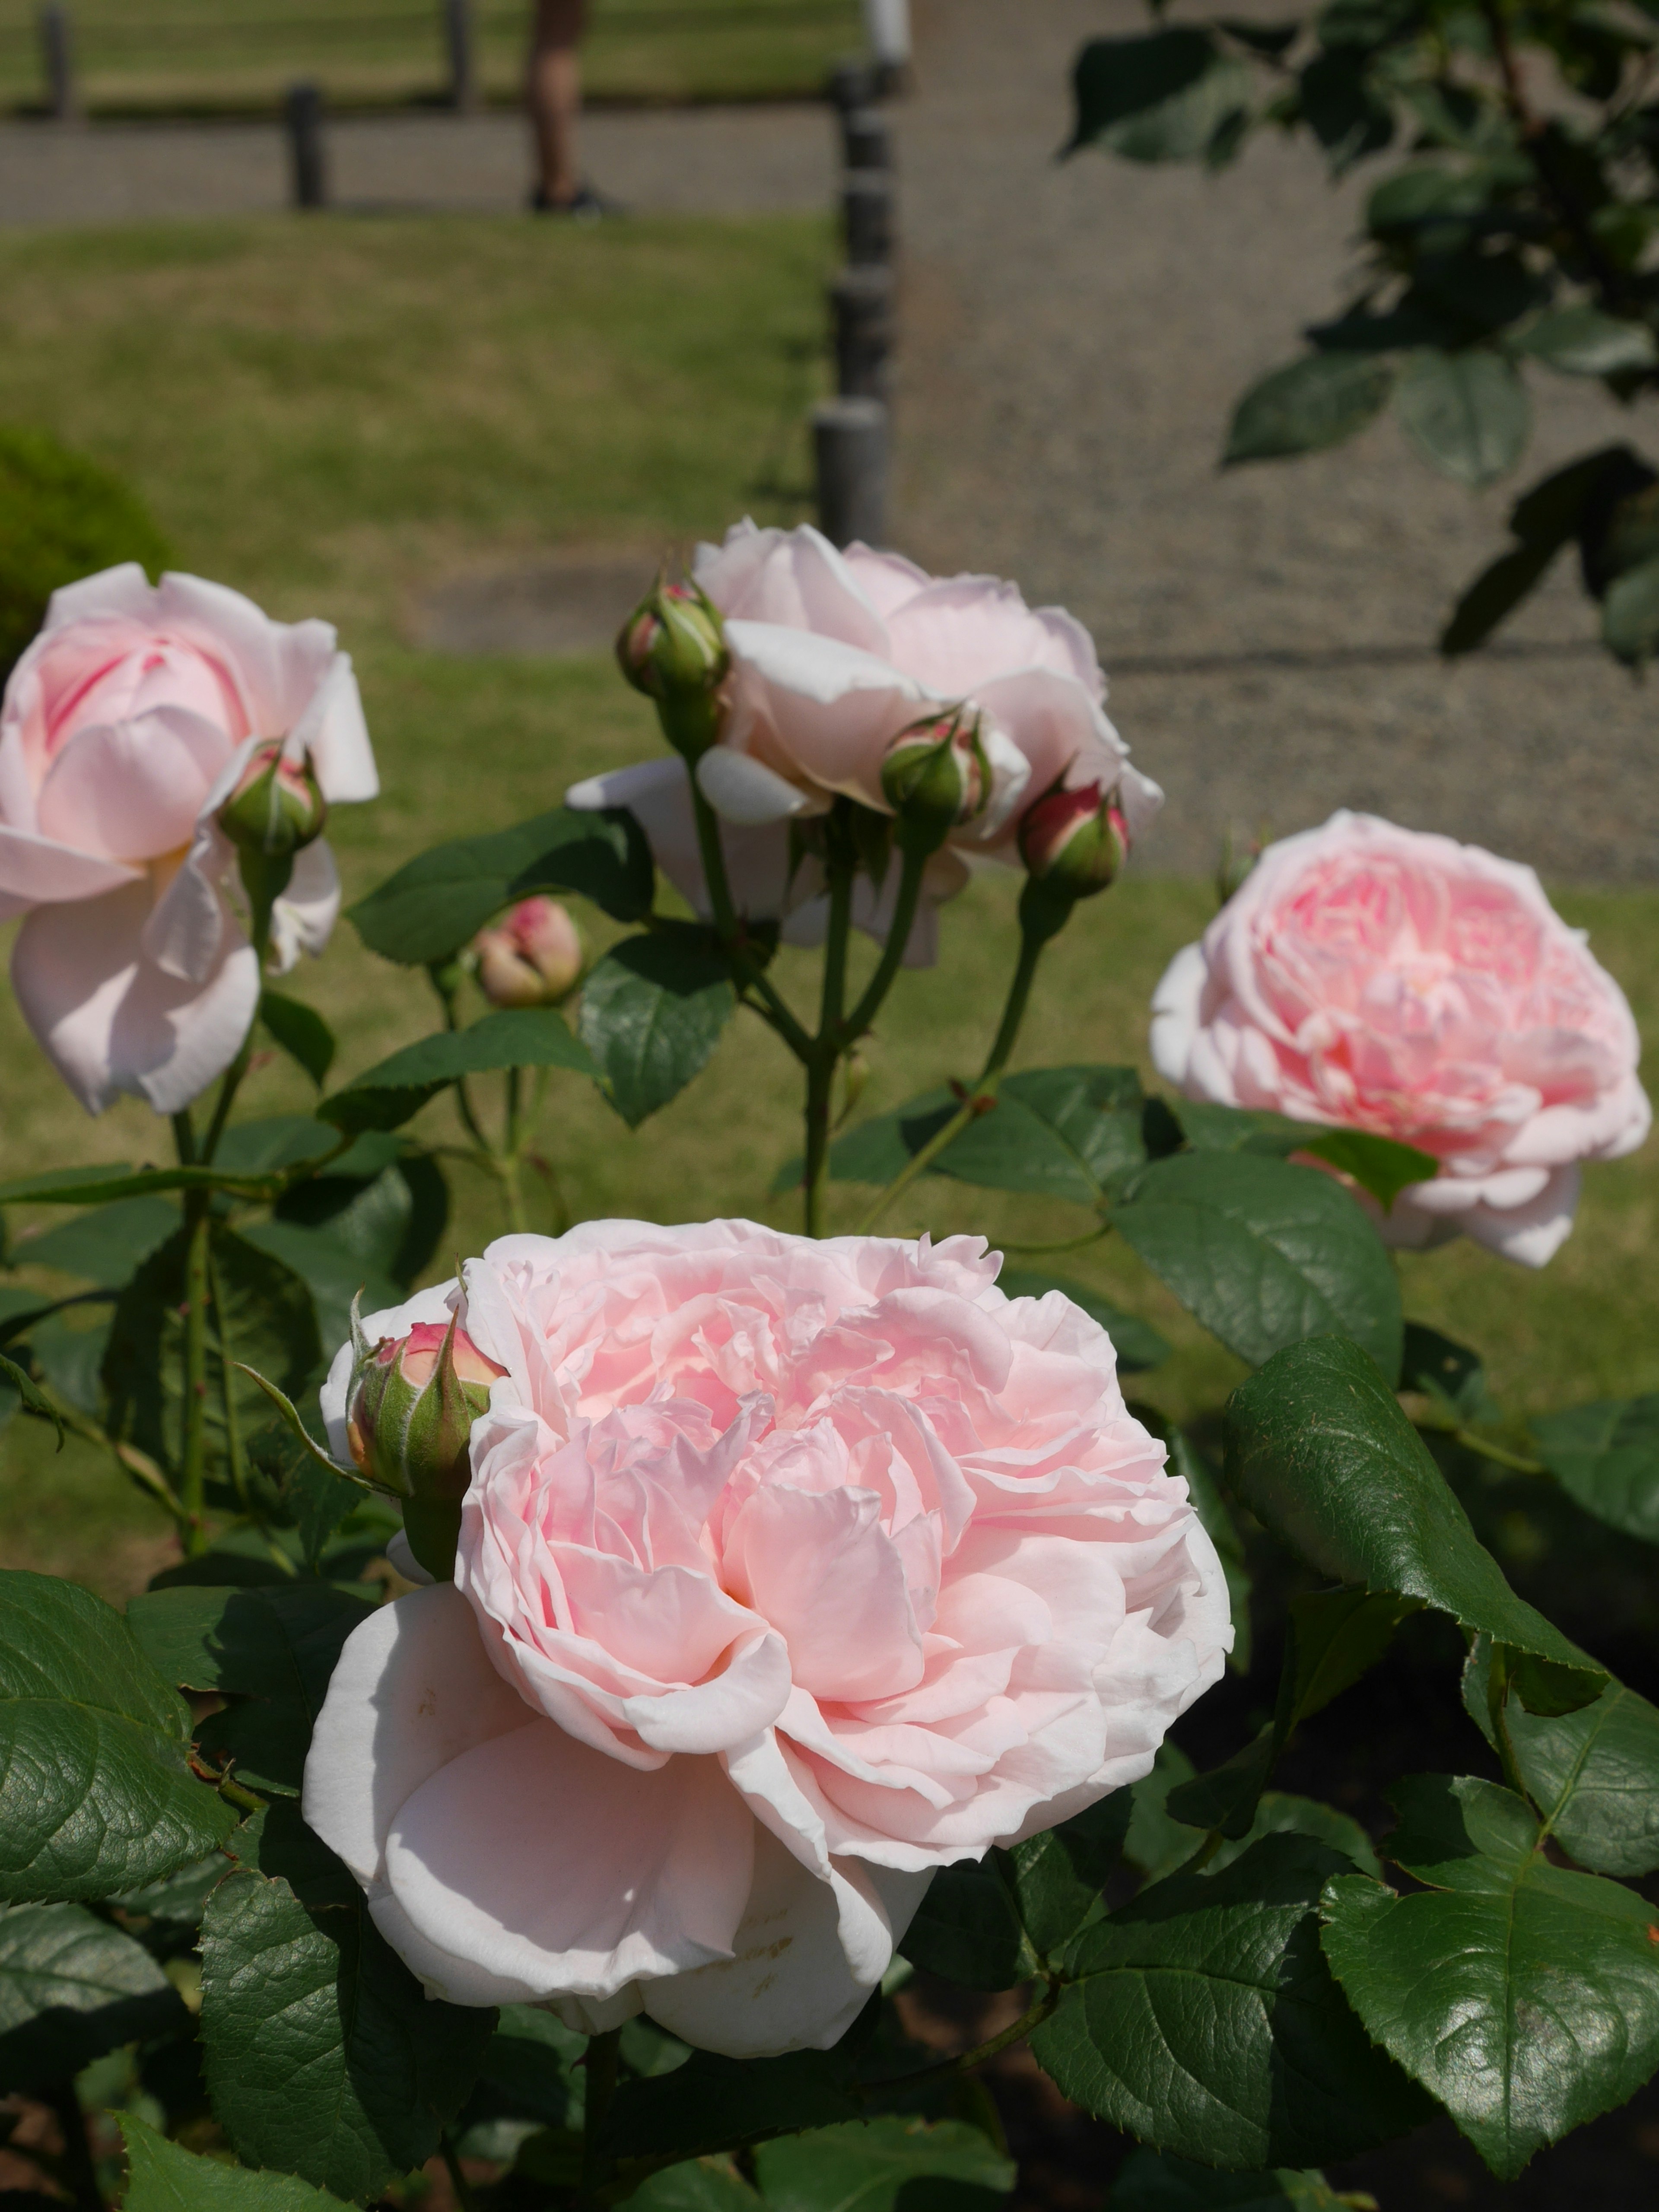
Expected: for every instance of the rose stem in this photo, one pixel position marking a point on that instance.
(827, 1047)
(600, 2065)
(750, 977)
(457, 2181)
(898, 937)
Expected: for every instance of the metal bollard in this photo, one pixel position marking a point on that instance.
(852, 83)
(302, 114)
(861, 312)
(866, 141)
(867, 204)
(459, 46)
(57, 54)
(887, 28)
(849, 452)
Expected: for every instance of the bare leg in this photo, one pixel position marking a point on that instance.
(553, 93)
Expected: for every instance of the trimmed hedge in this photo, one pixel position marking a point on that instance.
(61, 517)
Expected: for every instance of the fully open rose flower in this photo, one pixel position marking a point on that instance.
(1389, 979)
(789, 1571)
(833, 655)
(126, 725)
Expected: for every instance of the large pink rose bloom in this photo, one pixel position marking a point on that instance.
(833, 654)
(789, 1571)
(124, 727)
(1389, 979)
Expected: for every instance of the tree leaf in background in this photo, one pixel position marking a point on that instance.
(300, 1031)
(324, 2055)
(1136, 1342)
(1594, 1774)
(21, 1387)
(1584, 341)
(1522, 1994)
(96, 1794)
(164, 2177)
(1307, 405)
(1606, 1457)
(1264, 1254)
(1147, 2181)
(1467, 412)
(1320, 1451)
(1203, 2020)
(1117, 80)
(434, 903)
(1630, 614)
(1342, 106)
(271, 1651)
(653, 1011)
(867, 2166)
(71, 1988)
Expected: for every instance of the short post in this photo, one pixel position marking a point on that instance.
(866, 141)
(887, 28)
(861, 312)
(852, 84)
(866, 202)
(57, 54)
(849, 451)
(459, 46)
(302, 114)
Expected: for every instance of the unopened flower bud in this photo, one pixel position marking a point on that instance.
(409, 1426)
(276, 808)
(532, 956)
(672, 647)
(936, 776)
(1074, 842)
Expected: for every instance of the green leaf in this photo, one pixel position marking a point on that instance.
(1264, 1254)
(265, 1319)
(19, 1379)
(387, 1094)
(1156, 1843)
(1203, 2019)
(98, 1186)
(1630, 614)
(1522, 1994)
(390, 1219)
(967, 1927)
(1606, 1457)
(1466, 412)
(1051, 1132)
(1118, 81)
(1307, 406)
(1342, 106)
(1057, 1876)
(866, 2166)
(164, 2177)
(434, 904)
(271, 1651)
(331, 1271)
(1594, 1774)
(324, 2055)
(1208, 1127)
(1447, 1372)
(1495, 592)
(1319, 1449)
(1149, 2182)
(701, 2185)
(96, 1794)
(531, 2067)
(104, 1245)
(1136, 1342)
(1584, 341)
(1381, 1165)
(278, 1140)
(300, 1031)
(651, 1013)
(712, 2101)
(1189, 1464)
(1280, 1814)
(71, 1988)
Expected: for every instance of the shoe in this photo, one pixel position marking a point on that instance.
(587, 205)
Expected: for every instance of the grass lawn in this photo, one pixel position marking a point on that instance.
(206, 55)
(331, 415)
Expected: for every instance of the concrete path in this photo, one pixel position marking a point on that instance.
(1073, 338)
(705, 161)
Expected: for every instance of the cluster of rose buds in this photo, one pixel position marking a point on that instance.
(532, 956)
(672, 647)
(408, 1424)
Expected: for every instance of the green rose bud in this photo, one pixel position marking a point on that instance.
(409, 1426)
(277, 808)
(672, 647)
(936, 777)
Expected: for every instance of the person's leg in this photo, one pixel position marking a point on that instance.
(553, 93)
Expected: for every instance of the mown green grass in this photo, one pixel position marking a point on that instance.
(331, 418)
(208, 56)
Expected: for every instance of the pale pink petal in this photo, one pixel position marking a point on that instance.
(757, 860)
(131, 792)
(964, 631)
(303, 918)
(828, 710)
(824, 1573)
(1176, 1014)
(34, 871)
(187, 931)
(886, 580)
(125, 590)
(745, 791)
(795, 577)
(330, 730)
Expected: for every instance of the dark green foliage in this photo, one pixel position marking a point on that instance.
(62, 517)
(653, 1011)
(386, 1095)
(1607, 1457)
(164, 2177)
(71, 1988)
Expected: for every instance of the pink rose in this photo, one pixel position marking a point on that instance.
(789, 1572)
(1387, 980)
(126, 724)
(833, 654)
(532, 956)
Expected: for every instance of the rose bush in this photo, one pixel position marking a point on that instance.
(832, 655)
(1395, 982)
(125, 726)
(789, 1572)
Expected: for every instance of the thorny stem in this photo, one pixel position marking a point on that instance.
(192, 1475)
(826, 1046)
(601, 2087)
(750, 977)
(898, 937)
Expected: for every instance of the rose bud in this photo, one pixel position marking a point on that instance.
(672, 647)
(1074, 842)
(277, 806)
(533, 956)
(409, 1427)
(936, 776)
